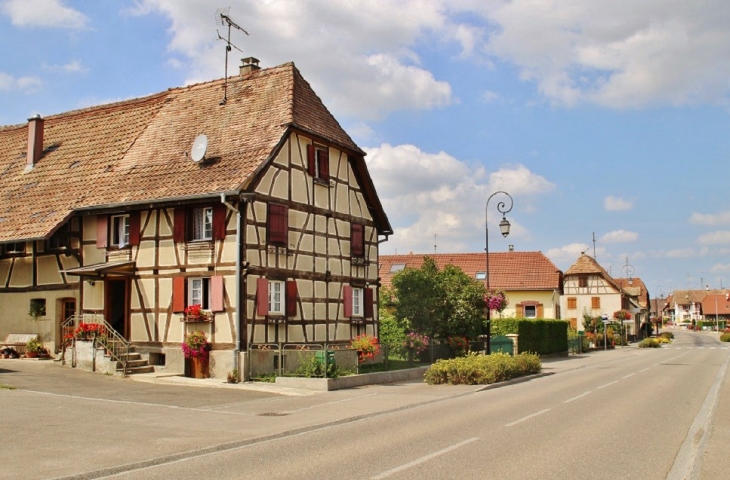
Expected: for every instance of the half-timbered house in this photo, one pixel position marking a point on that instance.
(124, 210)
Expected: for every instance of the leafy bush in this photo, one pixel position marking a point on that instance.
(476, 369)
(668, 335)
(649, 343)
(663, 340)
(725, 337)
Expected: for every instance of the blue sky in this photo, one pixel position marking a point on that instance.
(599, 118)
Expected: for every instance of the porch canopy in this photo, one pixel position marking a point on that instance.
(98, 270)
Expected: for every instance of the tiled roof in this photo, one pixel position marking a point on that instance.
(509, 270)
(685, 297)
(635, 287)
(137, 151)
(716, 303)
(588, 265)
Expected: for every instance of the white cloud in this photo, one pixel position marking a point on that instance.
(74, 66)
(619, 53)
(567, 253)
(26, 84)
(435, 193)
(614, 204)
(43, 13)
(709, 219)
(714, 238)
(619, 236)
(720, 267)
(489, 97)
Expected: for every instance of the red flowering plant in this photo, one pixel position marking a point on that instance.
(365, 346)
(496, 300)
(89, 331)
(459, 345)
(414, 345)
(196, 345)
(622, 315)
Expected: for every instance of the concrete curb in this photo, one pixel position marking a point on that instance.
(351, 381)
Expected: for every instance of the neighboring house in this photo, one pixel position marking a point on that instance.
(716, 308)
(530, 280)
(272, 227)
(687, 305)
(588, 289)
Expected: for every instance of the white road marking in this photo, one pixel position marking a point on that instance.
(606, 385)
(527, 417)
(423, 459)
(629, 375)
(579, 396)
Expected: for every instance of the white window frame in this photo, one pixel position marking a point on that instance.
(358, 301)
(120, 230)
(199, 292)
(530, 307)
(203, 223)
(277, 297)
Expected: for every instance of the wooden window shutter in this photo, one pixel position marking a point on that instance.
(311, 160)
(572, 302)
(278, 224)
(519, 311)
(134, 228)
(540, 310)
(323, 161)
(368, 303)
(178, 294)
(178, 228)
(102, 231)
(219, 221)
(347, 294)
(291, 298)
(357, 239)
(262, 297)
(595, 302)
(216, 294)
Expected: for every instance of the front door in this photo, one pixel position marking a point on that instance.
(117, 301)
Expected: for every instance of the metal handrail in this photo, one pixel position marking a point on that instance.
(116, 346)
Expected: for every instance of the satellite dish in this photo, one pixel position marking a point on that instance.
(200, 145)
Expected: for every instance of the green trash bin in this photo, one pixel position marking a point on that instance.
(328, 355)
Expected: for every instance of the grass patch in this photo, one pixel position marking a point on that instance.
(6, 387)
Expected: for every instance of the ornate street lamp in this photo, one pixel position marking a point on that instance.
(504, 228)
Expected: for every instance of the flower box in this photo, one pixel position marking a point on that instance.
(203, 317)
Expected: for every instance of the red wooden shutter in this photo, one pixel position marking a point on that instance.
(311, 160)
(520, 312)
(323, 161)
(216, 294)
(347, 294)
(357, 237)
(178, 294)
(101, 231)
(540, 311)
(134, 228)
(278, 224)
(368, 303)
(291, 298)
(219, 221)
(262, 297)
(178, 228)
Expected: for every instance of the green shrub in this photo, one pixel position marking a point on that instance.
(477, 369)
(663, 340)
(668, 335)
(725, 337)
(649, 343)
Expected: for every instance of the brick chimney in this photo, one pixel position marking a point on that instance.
(249, 65)
(35, 141)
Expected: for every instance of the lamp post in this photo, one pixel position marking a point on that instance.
(504, 228)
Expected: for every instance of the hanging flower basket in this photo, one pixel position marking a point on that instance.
(496, 300)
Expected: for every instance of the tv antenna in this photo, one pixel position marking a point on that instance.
(222, 19)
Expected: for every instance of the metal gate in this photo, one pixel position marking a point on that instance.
(502, 344)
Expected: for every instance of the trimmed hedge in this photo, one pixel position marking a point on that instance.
(649, 343)
(477, 369)
(725, 337)
(539, 335)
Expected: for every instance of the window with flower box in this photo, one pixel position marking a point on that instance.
(204, 291)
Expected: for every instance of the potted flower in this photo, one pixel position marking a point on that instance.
(195, 313)
(414, 345)
(196, 350)
(365, 346)
(34, 348)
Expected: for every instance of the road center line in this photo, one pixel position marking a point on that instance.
(423, 459)
(644, 370)
(527, 417)
(606, 385)
(579, 396)
(629, 375)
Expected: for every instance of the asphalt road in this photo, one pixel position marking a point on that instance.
(626, 413)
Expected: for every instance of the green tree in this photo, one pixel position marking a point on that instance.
(439, 303)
